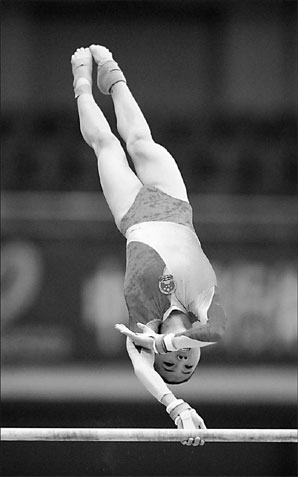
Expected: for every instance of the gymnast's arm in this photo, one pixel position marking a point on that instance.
(208, 330)
(143, 362)
(203, 334)
(180, 412)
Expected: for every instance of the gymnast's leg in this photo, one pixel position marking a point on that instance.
(119, 183)
(154, 165)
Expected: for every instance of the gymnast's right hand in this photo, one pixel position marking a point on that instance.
(186, 418)
(146, 339)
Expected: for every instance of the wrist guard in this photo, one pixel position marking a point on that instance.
(176, 408)
(164, 344)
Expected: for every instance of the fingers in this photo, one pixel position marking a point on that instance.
(142, 326)
(125, 331)
(193, 441)
(197, 420)
(145, 328)
(140, 339)
(202, 423)
(121, 327)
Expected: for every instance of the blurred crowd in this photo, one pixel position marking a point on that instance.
(235, 155)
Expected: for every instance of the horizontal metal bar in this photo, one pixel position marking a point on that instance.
(143, 435)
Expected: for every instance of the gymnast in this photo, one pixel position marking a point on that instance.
(170, 287)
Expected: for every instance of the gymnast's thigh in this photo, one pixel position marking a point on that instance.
(155, 166)
(120, 185)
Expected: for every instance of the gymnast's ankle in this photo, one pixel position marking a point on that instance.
(81, 62)
(108, 71)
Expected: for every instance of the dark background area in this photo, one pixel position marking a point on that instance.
(216, 81)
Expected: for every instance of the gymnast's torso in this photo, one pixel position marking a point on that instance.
(166, 268)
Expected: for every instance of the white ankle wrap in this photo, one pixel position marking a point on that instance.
(82, 85)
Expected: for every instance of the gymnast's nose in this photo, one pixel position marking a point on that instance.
(182, 355)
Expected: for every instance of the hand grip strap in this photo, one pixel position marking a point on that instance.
(176, 408)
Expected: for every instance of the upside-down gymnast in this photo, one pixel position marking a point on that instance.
(170, 287)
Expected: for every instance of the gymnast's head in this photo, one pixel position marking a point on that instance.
(177, 367)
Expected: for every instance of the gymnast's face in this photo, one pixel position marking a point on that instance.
(177, 366)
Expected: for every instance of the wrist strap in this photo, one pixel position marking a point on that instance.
(176, 408)
(168, 341)
(174, 404)
(154, 347)
(163, 344)
(159, 345)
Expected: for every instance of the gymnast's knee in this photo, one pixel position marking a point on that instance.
(138, 142)
(99, 141)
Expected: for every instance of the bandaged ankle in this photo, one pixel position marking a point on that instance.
(109, 74)
(82, 85)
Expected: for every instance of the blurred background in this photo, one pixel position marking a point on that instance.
(217, 83)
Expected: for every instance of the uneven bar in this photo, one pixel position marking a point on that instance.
(145, 435)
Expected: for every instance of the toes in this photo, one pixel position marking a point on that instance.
(100, 53)
(80, 54)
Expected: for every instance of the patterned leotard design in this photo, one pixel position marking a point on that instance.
(166, 268)
(152, 204)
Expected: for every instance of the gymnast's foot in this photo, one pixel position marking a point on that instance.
(81, 62)
(108, 71)
(101, 54)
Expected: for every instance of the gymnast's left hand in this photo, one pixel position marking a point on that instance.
(145, 339)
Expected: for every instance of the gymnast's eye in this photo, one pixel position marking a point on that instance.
(169, 365)
(188, 366)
